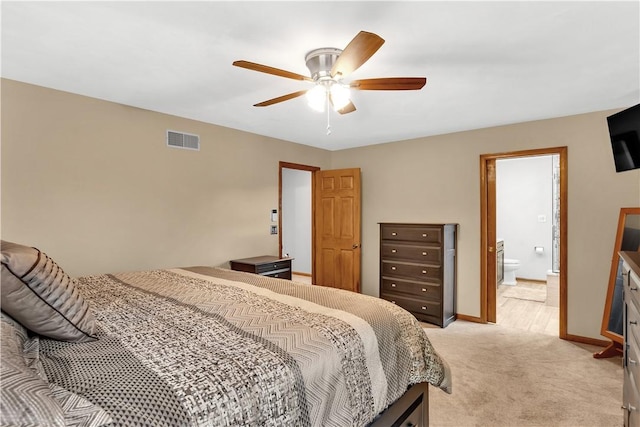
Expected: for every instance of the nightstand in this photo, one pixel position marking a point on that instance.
(265, 265)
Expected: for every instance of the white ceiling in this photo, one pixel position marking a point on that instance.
(486, 63)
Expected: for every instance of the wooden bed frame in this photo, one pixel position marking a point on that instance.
(411, 410)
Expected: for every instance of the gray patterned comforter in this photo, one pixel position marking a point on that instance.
(213, 347)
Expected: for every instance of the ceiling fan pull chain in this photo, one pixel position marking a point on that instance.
(328, 116)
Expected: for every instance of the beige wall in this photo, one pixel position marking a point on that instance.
(94, 185)
(436, 179)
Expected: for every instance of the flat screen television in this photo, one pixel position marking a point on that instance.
(624, 130)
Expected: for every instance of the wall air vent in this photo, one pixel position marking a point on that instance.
(183, 140)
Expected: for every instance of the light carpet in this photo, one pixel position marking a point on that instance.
(508, 377)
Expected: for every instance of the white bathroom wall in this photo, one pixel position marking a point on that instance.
(524, 201)
(296, 218)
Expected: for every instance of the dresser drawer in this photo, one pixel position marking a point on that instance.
(411, 233)
(273, 266)
(410, 270)
(633, 288)
(633, 323)
(633, 360)
(630, 400)
(414, 418)
(280, 274)
(428, 254)
(431, 291)
(428, 308)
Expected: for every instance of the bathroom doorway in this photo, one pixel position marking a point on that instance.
(550, 249)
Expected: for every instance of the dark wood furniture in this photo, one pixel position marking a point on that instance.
(418, 269)
(265, 265)
(411, 410)
(631, 334)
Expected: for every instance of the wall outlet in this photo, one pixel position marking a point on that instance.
(274, 229)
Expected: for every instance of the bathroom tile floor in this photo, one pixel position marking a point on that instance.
(523, 307)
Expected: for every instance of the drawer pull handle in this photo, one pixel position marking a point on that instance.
(424, 307)
(424, 289)
(394, 234)
(424, 271)
(634, 289)
(633, 362)
(393, 285)
(393, 302)
(393, 251)
(424, 234)
(393, 267)
(424, 253)
(633, 322)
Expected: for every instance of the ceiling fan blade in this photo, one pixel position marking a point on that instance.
(270, 70)
(357, 52)
(281, 98)
(349, 108)
(390, 83)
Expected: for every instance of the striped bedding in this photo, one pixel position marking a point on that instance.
(207, 346)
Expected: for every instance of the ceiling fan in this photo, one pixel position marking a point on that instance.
(328, 67)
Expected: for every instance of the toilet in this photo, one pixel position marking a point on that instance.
(510, 267)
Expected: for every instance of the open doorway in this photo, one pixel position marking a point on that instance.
(527, 230)
(296, 218)
(492, 254)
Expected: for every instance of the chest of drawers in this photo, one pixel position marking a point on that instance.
(631, 336)
(418, 269)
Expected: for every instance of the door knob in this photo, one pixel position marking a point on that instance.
(355, 246)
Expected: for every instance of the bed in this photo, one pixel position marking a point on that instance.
(204, 346)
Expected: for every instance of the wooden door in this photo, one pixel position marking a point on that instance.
(492, 276)
(337, 229)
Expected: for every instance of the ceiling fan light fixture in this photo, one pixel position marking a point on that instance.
(340, 96)
(317, 97)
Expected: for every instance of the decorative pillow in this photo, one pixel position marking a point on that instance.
(43, 298)
(25, 398)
